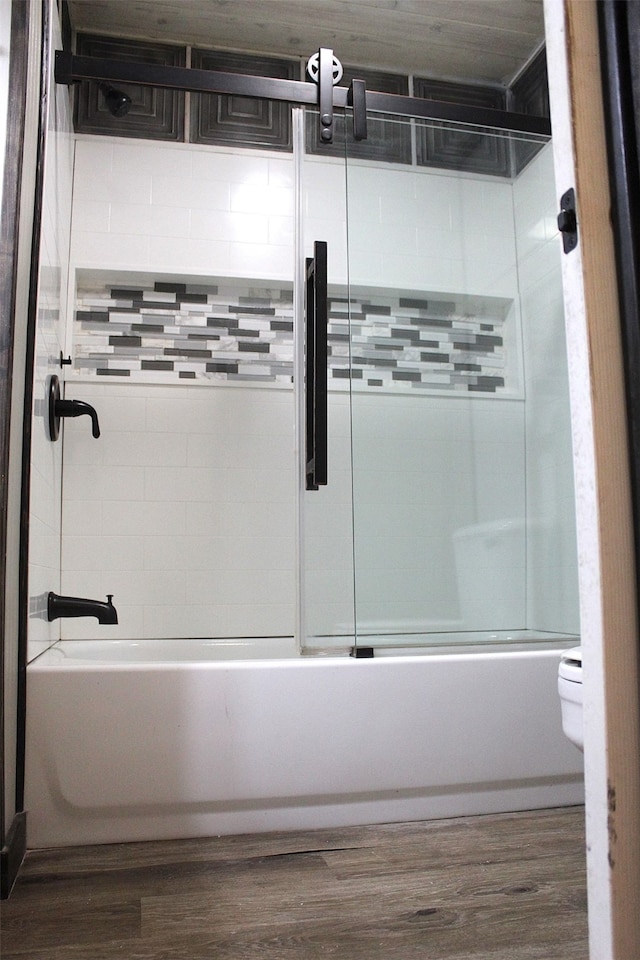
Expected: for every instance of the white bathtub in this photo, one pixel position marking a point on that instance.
(120, 747)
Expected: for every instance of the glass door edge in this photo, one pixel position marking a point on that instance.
(298, 133)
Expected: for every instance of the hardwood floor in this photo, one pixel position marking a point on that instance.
(500, 887)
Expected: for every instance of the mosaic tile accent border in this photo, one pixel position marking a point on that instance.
(230, 331)
(166, 332)
(424, 344)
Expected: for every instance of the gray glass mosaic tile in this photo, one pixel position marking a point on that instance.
(235, 331)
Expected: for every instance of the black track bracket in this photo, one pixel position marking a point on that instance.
(325, 94)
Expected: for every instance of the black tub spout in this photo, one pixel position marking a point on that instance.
(58, 606)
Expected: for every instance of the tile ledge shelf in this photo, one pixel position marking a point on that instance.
(158, 328)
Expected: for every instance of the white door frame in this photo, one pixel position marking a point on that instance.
(603, 502)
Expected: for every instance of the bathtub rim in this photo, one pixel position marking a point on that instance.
(300, 661)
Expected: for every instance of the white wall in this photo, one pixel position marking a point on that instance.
(46, 457)
(208, 477)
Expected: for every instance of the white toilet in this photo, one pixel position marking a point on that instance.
(570, 690)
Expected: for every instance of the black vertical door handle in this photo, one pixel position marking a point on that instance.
(316, 367)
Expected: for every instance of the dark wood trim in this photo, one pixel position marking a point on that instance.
(12, 854)
(32, 321)
(66, 26)
(617, 37)
(9, 220)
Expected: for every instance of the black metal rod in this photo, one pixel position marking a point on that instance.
(320, 326)
(309, 374)
(72, 69)
(316, 316)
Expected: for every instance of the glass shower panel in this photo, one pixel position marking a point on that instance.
(327, 576)
(184, 508)
(451, 264)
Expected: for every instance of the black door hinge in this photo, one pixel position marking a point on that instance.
(568, 221)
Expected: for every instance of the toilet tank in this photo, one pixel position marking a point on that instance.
(490, 561)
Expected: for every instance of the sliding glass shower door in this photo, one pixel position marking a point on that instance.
(436, 500)
(327, 600)
(447, 515)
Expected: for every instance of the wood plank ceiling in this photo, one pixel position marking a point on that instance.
(482, 40)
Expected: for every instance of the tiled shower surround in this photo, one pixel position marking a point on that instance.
(230, 331)
(184, 508)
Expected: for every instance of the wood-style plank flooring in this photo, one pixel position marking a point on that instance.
(500, 887)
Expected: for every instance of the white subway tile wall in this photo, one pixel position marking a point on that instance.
(429, 230)
(182, 208)
(184, 513)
